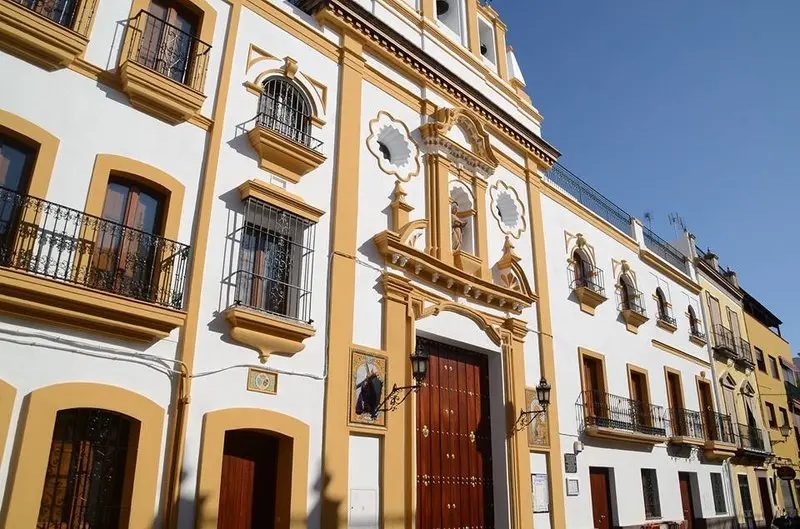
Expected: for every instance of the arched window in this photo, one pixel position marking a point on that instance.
(284, 108)
(663, 310)
(693, 322)
(625, 293)
(84, 485)
(580, 269)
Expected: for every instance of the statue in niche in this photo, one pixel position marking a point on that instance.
(458, 224)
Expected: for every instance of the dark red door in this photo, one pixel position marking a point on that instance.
(601, 497)
(249, 475)
(454, 459)
(686, 499)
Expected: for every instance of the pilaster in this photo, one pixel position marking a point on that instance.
(481, 218)
(473, 41)
(500, 47)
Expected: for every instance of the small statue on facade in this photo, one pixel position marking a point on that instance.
(457, 225)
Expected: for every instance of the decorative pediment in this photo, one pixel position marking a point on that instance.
(727, 381)
(438, 135)
(508, 273)
(577, 243)
(748, 389)
(405, 250)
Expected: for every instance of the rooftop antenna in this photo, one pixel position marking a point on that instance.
(675, 220)
(648, 217)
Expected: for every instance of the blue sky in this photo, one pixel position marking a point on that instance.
(679, 106)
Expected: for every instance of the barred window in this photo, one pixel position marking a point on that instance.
(285, 109)
(652, 503)
(275, 261)
(718, 493)
(84, 485)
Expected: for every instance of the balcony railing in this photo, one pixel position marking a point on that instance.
(745, 353)
(718, 427)
(289, 123)
(665, 315)
(725, 341)
(698, 333)
(663, 249)
(158, 45)
(686, 423)
(571, 184)
(634, 302)
(71, 14)
(604, 410)
(750, 437)
(53, 241)
(589, 277)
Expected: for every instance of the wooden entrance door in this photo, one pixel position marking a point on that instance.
(686, 499)
(707, 409)
(601, 497)
(248, 484)
(675, 394)
(454, 456)
(766, 504)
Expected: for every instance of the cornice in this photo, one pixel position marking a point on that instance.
(718, 279)
(351, 13)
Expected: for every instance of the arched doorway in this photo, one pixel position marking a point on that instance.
(248, 484)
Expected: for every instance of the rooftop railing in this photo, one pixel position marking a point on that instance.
(572, 184)
(604, 410)
(60, 243)
(160, 46)
(663, 249)
(71, 14)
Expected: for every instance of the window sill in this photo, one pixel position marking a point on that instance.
(283, 156)
(589, 299)
(38, 298)
(623, 435)
(697, 340)
(667, 326)
(267, 333)
(155, 94)
(633, 320)
(37, 39)
(718, 450)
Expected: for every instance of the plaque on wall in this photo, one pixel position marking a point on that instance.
(570, 463)
(572, 487)
(541, 493)
(262, 381)
(367, 381)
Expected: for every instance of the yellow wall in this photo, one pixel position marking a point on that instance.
(773, 391)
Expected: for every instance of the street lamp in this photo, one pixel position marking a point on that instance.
(526, 417)
(419, 370)
(785, 432)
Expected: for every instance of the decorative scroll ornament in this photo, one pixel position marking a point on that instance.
(391, 144)
(438, 135)
(508, 273)
(507, 209)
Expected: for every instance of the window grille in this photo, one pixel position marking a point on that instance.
(652, 504)
(285, 109)
(718, 493)
(275, 261)
(85, 476)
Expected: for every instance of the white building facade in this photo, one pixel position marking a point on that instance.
(636, 390)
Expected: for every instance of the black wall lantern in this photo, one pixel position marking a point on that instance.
(526, 417)
(419, 370)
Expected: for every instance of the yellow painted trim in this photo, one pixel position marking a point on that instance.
(666, 326)
(106, 165)
(39, 40)
(294, 27)
(38, 416)
(8, 395)
(176, 433)
(500, 51)
(279, 197)
(473, 37)
(681, 354)
(341, 276)
(655, 262)
(546, 350)
(631, 369)
(672, 371)
(283, 156)
(573, 206)
(27, 132)
(293, 447)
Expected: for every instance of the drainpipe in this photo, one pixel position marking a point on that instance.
(726, 465)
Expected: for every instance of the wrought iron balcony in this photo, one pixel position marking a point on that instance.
(718, 427)
(665, 316)
(633, 302)
(289, 123)
(60, 243)
(698, 333)
(589, 277)
(725, 342)
(164, 48)
(604, 411)
(750, 437)
(744, 353)
(71, 14)
(686, 424)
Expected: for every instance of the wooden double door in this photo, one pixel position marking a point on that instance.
(454, 456)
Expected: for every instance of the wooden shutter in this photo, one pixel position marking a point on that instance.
(713, 306)
(733, 318)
